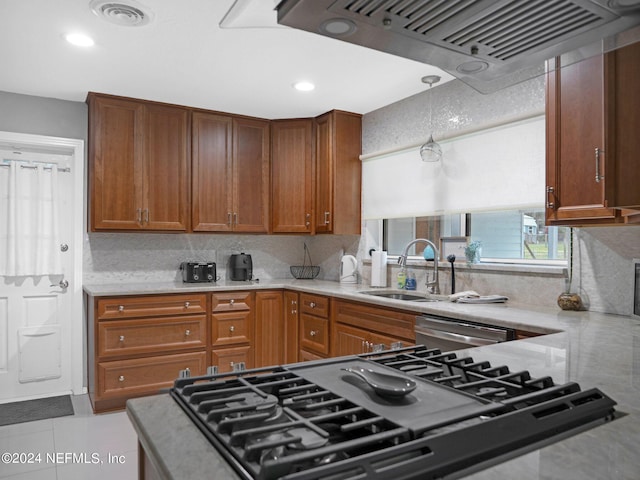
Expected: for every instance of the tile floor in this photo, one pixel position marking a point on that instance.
(79, 447)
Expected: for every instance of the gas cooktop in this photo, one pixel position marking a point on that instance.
(313, 420)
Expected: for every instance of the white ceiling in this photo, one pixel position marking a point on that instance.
(184, 57)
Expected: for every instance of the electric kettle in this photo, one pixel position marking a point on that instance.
(348, 269)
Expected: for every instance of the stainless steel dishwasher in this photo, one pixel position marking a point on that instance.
(449, 334)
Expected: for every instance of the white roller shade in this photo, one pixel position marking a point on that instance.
(497, 168)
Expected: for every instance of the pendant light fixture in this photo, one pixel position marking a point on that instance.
(430, 151)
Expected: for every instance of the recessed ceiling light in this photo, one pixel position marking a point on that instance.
(304, 86)
(79, 39)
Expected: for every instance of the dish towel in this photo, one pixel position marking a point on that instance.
(469, 296)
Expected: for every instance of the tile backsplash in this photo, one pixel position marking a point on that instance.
(149, 257)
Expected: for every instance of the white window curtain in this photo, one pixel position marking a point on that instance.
(29, 237)
(493, 169)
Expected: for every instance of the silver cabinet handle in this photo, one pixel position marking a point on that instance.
(146, 215)
(187, 332)
(235, 218)
(312, 304)
(139, 216)
(598, 176)
(121, 308)
(326, 217)
(187, 304)
(307, 219)
(122, 338)
(232, 301)
(313, 333)
(550, 191)
(121, 378)
(232, 328)
(229, 218)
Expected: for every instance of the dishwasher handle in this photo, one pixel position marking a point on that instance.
(455, 337)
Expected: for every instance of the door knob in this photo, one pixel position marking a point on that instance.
(62, 284)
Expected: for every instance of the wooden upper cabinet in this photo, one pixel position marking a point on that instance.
(292, 176)
(251, 179)
(212, 150)
(338, 145)
(230, 173)
(593, 167)
(166, 168)
(138, 165)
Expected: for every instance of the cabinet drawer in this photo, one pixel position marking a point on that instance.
(231, 301)
(146, 375)
(131, 337)
(314, 334)
(226, 358)
(314, 305)
(231, 328)
(149, 306)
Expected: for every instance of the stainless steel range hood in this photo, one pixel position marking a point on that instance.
(488, 44)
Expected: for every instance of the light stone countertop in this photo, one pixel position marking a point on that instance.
(592, 349)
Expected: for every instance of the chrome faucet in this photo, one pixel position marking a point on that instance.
(433, 286)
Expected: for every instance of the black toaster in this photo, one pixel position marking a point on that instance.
(196, 272)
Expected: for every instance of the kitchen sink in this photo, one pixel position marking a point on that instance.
(408, 297)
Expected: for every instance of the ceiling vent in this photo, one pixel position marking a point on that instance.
(130, 14)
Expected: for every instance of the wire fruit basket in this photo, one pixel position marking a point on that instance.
(304, 271)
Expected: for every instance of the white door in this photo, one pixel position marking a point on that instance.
(39, 315)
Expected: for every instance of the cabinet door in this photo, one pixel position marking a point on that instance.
(270, 329)
(116, 129)
(211, 209)
(576, 154)
(292, 175)
(338, 172)
(166, 168)
(348, 341)
(324, 173)
(251, 175)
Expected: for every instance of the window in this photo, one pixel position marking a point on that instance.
(509, 236)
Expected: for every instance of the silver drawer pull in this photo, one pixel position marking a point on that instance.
(187, 332)
(187, 304)
(312, 304)
(232, 301)
(121, 378)
(121, 308)
(238, 367)
(186, 373)
(122, 338)
(313, 333)
(232, 328)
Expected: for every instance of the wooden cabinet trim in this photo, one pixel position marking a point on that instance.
(314, 334)
(395, 323)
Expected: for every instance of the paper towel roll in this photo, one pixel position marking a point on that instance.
(378, 268)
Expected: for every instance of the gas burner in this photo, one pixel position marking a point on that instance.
(306, 422)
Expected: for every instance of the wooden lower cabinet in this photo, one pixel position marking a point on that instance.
(360, 328)
(270, 328)
(313, 326)
(137, 345)
(139, 376)
(232, 329)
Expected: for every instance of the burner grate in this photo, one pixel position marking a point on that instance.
(302, 422)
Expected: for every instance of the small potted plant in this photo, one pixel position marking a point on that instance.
(472, 252)
(568, 300)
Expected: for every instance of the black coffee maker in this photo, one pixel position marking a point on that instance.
(241, 266)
